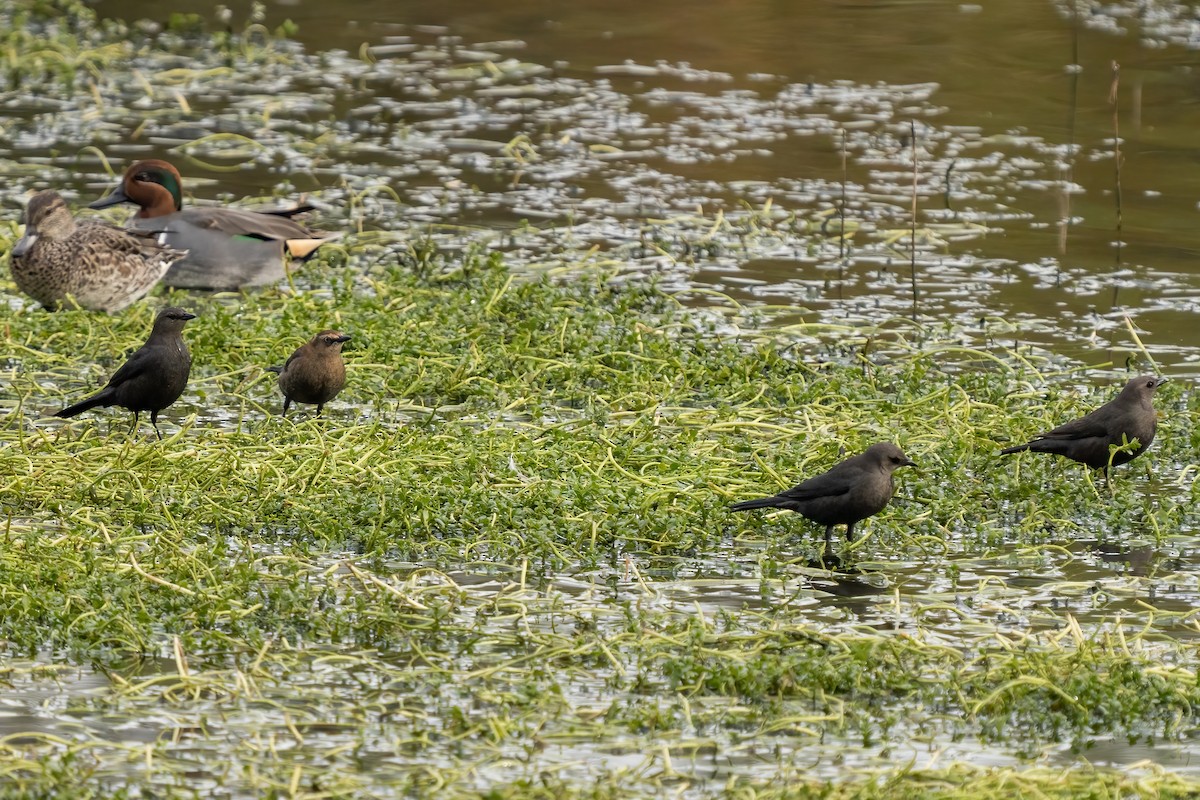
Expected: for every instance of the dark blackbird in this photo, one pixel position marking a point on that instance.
(153, 377)
(1128, 416)
(315, 373)
(853, 490)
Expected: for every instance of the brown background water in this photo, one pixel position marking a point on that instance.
(1001, 67)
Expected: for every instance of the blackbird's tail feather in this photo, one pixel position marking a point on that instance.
(762, 502)
(1056, 447)
(101, 399)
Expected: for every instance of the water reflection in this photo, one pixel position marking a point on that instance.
(1002, 143)
(643, 162)
(324, 703)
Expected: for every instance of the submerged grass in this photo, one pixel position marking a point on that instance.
(488, 551)
(502, 563)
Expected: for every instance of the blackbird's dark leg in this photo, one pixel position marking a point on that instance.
(287, 401)
(827, 556)
(154, 422)
(133, 428)
(850, 532)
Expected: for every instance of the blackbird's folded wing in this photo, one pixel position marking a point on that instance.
(830, 484)
(138, 363)
(1090, 427)
(292, 357)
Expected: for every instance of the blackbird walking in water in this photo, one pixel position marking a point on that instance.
(154, 376)
(315, 373)
(1127, 417)
(853, 490)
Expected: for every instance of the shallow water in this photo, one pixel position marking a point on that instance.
(701, 144)
(729, 107)
(389, 716)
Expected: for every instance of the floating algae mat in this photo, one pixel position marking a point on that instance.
(501, 563)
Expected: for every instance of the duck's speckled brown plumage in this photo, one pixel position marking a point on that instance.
(228, 248)
(101, 267)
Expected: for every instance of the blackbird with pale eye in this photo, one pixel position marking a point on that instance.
(1127, 418)
(154, 376)
(855, 489)
(315, 373)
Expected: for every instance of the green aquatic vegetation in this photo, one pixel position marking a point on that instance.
(501, 564)
(58, 45)
(508, 419)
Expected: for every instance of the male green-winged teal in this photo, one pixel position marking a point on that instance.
(228, 248)
(101, 267)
